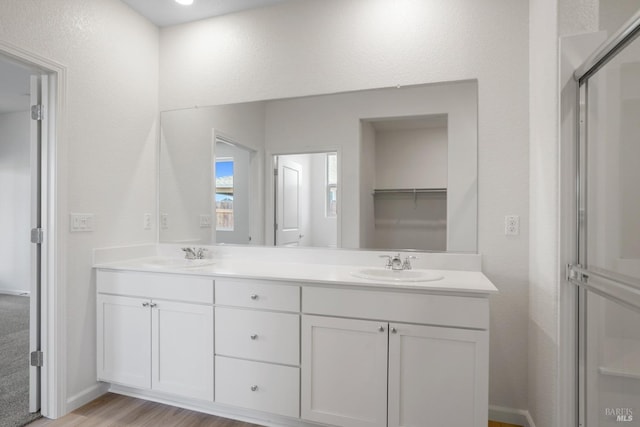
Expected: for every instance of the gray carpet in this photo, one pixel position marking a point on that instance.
(14, 362)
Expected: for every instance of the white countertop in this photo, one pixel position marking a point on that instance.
(453, 281)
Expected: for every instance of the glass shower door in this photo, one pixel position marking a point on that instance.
(609, 242)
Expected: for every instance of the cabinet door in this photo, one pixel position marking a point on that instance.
(124, 340)
(344, 371)
(437, 377)
(182, 356)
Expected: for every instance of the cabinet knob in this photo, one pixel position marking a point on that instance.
(381, 328)
(153, 304)
(254, 296)
(394, 331)
(254, 388)
(145, 304)
(254, 336)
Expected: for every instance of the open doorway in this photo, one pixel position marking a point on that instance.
(21, 132)
(306, 199)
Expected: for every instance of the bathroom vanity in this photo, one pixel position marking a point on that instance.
(297, 344)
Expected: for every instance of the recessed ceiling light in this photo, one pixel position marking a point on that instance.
(184, 2)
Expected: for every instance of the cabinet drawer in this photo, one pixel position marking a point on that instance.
(446, 310)
(257, 385)
(258, 335)
(161, 286)
(257, 294)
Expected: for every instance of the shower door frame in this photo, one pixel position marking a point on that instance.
(609, 286)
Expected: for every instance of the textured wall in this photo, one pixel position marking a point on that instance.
(108, 149)
(325, 46)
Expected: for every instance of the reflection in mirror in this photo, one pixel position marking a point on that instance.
(232, 192)
(306, 199)
(406, 169)
(409, 181)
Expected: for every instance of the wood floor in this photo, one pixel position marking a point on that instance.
(113, 410)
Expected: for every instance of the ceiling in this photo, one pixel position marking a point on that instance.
(14, 86)
(164, 13)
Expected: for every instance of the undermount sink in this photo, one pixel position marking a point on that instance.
(167, 262)
(397, 275)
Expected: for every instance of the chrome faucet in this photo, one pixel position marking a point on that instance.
(192, 253)
(395, 262)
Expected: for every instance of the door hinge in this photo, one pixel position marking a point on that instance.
(275, 172)
(37, 112)
(37, 235)
(576, 274)
(37, 358)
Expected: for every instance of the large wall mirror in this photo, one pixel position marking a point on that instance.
(392, 168)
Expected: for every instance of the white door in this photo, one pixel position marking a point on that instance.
(344, 372)
(124, 340)
(38, 137)
(288, 203)
(437, 377)
(182, 356)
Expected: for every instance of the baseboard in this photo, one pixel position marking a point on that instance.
(12, 292)
(86, 396)
(519, 417)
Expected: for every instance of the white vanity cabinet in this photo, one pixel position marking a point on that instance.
(155, 331)
(378, 373)
(257, 335)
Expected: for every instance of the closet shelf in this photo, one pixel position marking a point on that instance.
(408, 190)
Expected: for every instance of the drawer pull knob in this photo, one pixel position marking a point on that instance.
(254, 336)
(394, 331)
(145, 304)
(254, 296)
(254, 388)
(381, 328)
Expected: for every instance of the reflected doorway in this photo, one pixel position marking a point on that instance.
(232, 191)
(306, 199)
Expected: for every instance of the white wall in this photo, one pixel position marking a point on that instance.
(328, 46)
(415, 158)
(548, 21)
(15, 203)
(106, 153)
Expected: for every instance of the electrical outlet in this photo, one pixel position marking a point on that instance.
(164, 221)
(80, 222)
(511, 225)
(147, 221)
(205, 221)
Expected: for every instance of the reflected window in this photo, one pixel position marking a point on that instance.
(332, 185)
(224, 194)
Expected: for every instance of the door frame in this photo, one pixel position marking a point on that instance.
(53, 248)
(270, 187)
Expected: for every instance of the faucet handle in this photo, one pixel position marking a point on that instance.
(406, 265)
(189, 253)
(388, 257)
(200, 253)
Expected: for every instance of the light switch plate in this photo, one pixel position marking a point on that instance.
(80, 222)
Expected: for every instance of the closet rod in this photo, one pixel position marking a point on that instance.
(409, 190)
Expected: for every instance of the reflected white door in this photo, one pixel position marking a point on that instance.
(39, 91)
(288, 203)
